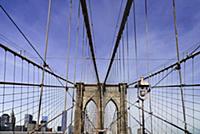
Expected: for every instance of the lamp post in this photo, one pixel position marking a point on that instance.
(143, 89)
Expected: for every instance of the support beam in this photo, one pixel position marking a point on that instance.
(89, 35)
(121, 29)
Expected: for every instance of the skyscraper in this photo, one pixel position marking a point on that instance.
(71, 129)
(45, 118)
(27, 119)
(12, 120)
(44, 123)
(5, 122)
(64, 121)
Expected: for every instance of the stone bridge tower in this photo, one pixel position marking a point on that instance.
(101, 95)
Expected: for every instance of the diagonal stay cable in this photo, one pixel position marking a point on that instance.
(121, 29)
(92, 95)
(190, 56)
(32, 62)
(132, 104)
(87, 25)
(29, 42)
(11, 19)
(138, 122)
(160, 118)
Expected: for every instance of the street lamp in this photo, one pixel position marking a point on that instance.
(143, 89)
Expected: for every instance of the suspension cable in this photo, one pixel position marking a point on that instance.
(29, 42)
(68, 52)
(160, 118)
(123, 58)
(138, 122)
(191, 55)
(120, 32)
(76, 53)
(135, 38)
(147, 34)
(67, 62)
(11, 19)
(179, 66)
(87, 25)
(147, 52)
(44, 64)
(92, 25)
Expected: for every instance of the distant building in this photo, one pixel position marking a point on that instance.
(5, 119)
(19, 128)
(5, 124)
(64, 121)
(12, 121)
(44, 125)
(71, 129)
(31, 126)
(45, 118)
(59, 128)
(27, 119)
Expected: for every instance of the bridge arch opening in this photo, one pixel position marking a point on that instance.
(90, 117)
(110, 117)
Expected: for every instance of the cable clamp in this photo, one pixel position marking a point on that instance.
(178, 66)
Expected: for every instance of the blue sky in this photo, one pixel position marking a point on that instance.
(31, 17)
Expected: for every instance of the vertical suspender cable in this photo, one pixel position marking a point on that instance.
(28, 88)
(193, 95)
(123, 58)
(44, 64)
(135, 39)
(82, 51)
(136, 52)
(146, 34)
(117, 66)
(13, 95)
(33, 89)
(120, 32)
(24, 36)
(22, 74)
(32, 46)
(120, 67)
(85, 55)
(68, 52)
(67, 62)
(179, 67)
(4, 79)
(127, 56)
(147, 52)
(76, 53)
(127, 51)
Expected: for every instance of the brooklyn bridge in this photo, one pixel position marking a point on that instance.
(99, 67)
